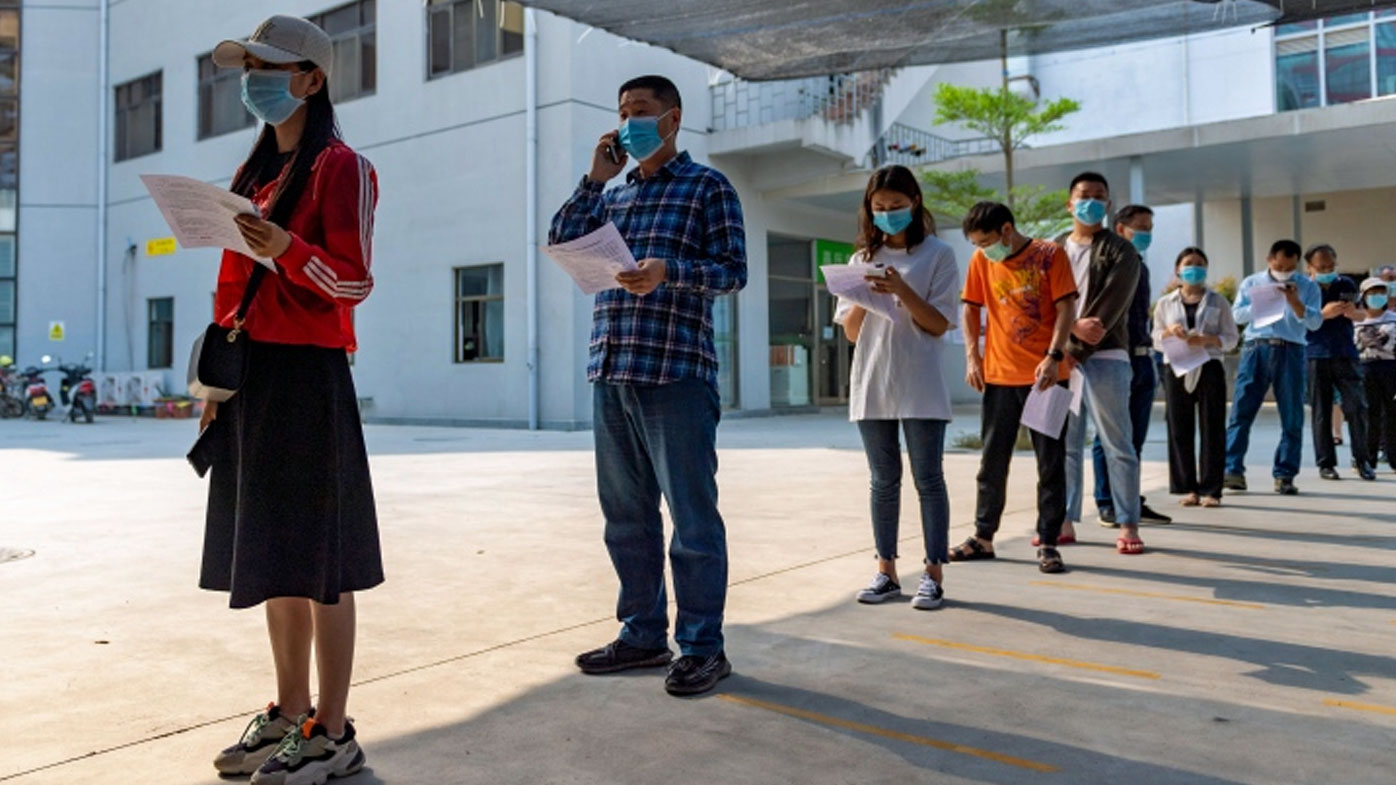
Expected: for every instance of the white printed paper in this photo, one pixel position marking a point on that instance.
(849, 282)
(1045, 410)
(1183, 357)
(1268, 304)
(1077, 385)
(201, 214)
(594, 260)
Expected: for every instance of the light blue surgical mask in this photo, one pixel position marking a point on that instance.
(1325, 278)
(998, 251)
(893, 221)
(1089, 211)
(1142, 241)
(267, 95)
(1193, 275)
(1376, 301)
(640, 136)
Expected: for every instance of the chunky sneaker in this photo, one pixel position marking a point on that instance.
(692, 675)
(259, 741)
(1234, 482)
(929, 595)
(1107, 518)
(882, 589)
(1285, 486)
(308, 756)
(618, 656)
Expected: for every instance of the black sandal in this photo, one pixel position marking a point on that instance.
(971, 550)
(1049, 560)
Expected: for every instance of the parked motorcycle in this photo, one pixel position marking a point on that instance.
(37, 401)
(78, 392)
(11, 390)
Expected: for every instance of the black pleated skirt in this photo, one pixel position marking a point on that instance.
(290, 502)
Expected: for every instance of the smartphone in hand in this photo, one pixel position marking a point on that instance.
(877, 272)
(613, 152)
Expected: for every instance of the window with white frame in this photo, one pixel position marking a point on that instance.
(463, 34)
(353, 31)
(1338, 60)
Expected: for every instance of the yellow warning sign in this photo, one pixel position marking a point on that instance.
(56, 331)
(161, 246)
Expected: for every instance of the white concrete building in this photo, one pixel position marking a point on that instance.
(1239, 137)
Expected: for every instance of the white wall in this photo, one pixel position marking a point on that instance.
(57, 177)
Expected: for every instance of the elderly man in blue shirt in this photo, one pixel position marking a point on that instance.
(1273, 354)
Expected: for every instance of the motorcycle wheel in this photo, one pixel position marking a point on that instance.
(89, 413)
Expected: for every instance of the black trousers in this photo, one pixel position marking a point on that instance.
(1202, 410)
(1379, 380)
(1002, 409)
(1326, 375)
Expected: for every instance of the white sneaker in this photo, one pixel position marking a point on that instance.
(882, 589)
(929, 595)
(308, 756)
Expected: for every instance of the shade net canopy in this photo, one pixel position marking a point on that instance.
(783, 39)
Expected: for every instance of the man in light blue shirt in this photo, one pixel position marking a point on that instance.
(1273, 354)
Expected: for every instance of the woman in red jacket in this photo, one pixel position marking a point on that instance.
(291, 520)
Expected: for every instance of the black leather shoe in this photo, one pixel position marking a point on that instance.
(1329, 473)
(618, 656)
(1148, 515)
(1366, 472)
(1234, 482)
(1285, 486)
(690, 675)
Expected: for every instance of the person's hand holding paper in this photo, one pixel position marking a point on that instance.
(203, 215)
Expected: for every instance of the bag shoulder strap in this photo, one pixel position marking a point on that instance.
(258, 273)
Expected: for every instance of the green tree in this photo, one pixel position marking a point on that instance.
(999, 114)
(950, 195)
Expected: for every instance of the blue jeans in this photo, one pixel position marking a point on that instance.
(925, 445)
(1262, 365)
(653, 440)
(1141, 407)
(1106, 401)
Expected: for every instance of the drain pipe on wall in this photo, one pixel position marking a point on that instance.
(531, 207)
(101, 228)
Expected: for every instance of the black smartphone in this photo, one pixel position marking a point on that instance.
(1350, 297)
(613, 153)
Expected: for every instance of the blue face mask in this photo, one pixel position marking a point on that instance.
(1325, 278)
(1193, 276)
(1089, 211)
(1376, 301)
(893, 221)
(640, 136)
(267, 95)
(1142, 241)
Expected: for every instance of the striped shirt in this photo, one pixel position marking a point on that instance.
(689, 216)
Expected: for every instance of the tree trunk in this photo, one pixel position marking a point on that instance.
(1006, 141)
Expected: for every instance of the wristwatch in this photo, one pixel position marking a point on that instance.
(1057, 355)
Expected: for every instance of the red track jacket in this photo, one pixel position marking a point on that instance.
(325, 272)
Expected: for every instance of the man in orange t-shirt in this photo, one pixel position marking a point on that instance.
(1028, 289)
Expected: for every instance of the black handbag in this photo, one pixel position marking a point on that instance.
(218, 362)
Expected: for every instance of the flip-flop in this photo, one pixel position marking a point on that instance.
(971, 550)
(1067, 540)
(1132, 547)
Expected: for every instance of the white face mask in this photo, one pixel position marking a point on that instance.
(1281, 277)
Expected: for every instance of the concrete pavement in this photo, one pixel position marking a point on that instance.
(1253, 644)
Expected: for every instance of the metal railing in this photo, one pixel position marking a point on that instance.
(841, 99)
(909, 146)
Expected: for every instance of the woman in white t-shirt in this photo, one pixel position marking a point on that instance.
(898, 381)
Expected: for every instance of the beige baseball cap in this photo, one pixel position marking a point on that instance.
(1373, 283)
(280, 39)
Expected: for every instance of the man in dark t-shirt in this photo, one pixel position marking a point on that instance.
(1333, 366)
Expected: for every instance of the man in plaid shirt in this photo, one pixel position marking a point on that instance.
(654, 368)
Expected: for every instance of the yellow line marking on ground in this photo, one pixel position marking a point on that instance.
(1150, 594)
(873, 730)
(1372, 707)
(1021, 655)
